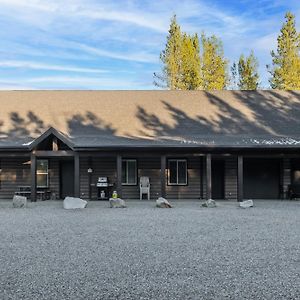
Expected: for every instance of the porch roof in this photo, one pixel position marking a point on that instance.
(101, 119)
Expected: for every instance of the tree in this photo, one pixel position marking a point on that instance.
(171, 59)
(285, 71)
(213, 64)
(190, 63)
(245, 73)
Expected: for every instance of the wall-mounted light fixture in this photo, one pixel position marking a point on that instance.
(90, 170)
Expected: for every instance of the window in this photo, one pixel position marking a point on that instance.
(177, 172)
(129, 172)
(42, 173)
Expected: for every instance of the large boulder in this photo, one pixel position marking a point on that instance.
(73, 203)
(19, 201)
(117, 203)
(210, 203)
(163, 203)
(246, 204)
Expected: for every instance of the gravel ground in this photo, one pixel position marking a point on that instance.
(143, 252)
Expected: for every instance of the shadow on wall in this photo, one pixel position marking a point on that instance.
(272, 114)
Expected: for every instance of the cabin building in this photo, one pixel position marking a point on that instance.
(231, 145)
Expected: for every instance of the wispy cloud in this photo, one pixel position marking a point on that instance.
(40, 66)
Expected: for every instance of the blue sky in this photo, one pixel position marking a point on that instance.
(98, 44)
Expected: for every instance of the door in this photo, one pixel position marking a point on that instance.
(261, 178)
(66, 179)
(217, 179)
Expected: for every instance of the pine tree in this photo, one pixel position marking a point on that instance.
(190, 63)
(285, 71)
(171, 59)
(213, 64)
(246, 73)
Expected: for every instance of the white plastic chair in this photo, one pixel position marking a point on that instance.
(144, 187)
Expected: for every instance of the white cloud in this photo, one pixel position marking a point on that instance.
(141, 56)
(41, 66)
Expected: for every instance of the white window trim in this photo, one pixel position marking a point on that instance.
(44, 173)
(186, 172)
(135, 181)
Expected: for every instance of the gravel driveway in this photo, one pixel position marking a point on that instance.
(143, 252)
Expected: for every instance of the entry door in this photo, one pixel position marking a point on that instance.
(261, 178)
(217, 179)
(66, 179)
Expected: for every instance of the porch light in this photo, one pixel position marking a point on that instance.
(90, 170)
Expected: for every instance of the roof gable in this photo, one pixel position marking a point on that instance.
(48, 134)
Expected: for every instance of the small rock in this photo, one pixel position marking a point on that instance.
(117, 203)
(19, 201)
(163, 203)
(246, 204)
(73, 203)
(210, 203)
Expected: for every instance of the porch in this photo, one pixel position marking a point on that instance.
(174, 175)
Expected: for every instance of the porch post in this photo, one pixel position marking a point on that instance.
(33, 177)
(163, 176)
(119, 175)
(76, 175)
(240, 178)
(208, 176)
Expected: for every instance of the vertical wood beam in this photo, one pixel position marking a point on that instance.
(163, 162)
(201, 177)
(76, 175)
(54, 144)
(33, 177)
(119, 175)
(208, 176)
(90, 166)
(240, 178)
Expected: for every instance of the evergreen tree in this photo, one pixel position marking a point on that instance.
(213, 64)
(171, 59)
(190, 63)
(245, 73)
(285, 71)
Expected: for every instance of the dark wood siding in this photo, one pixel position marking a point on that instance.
(101, 166)
(146, 167)
(14, 173)
(192, 190)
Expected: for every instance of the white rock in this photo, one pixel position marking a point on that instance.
(246, 204)
(19, 201)
(73, 203)
(117, 203)
(163, 203)
(210, 203)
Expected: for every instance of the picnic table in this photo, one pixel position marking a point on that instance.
(25, 190)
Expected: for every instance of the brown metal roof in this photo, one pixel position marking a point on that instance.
(104, 118)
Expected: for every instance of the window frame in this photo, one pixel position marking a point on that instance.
(43, 173)
(186, 171)
(126, 160)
